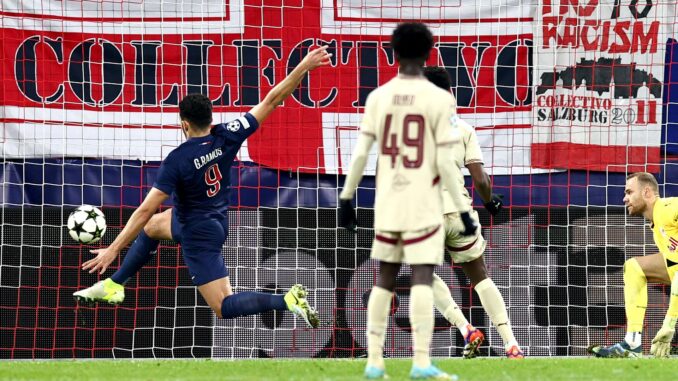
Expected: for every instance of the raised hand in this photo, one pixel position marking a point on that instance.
(316, 58)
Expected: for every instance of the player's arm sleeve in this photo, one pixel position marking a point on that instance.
(473, 153)
(168, 175)
(368, 123)
(237, 130)
(448, 170)
(447, 140)
(357, 166)
(366, 138)
(445, 128)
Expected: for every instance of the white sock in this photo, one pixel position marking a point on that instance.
(445, 304)
(378, 307)
(493, 303)
(633, 339)
(421, 319)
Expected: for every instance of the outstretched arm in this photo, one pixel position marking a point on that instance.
(277, 95)
(136, 222)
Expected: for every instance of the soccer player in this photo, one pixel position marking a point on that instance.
(197, 175)
(409, 118)
(641, 198)
(467, 251)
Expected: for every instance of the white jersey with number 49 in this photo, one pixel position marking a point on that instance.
(410, 118)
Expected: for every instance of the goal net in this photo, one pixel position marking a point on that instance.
(567, 97)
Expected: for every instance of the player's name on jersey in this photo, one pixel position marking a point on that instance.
(204, 159)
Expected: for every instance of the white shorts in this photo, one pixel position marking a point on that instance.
(462, 248)
(420, 247)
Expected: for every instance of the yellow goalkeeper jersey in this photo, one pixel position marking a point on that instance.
(665, 227)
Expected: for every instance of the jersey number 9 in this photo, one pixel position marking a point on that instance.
(213, 180)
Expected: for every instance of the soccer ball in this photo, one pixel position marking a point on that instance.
(86, 224)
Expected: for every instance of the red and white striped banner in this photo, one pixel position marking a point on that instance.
(103, 79)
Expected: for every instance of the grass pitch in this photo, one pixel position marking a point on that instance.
(317, 369)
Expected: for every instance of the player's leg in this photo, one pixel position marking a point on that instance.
(493, 303)
(387, 249)
(144, 246)
(461, 248)
(423, 250)
(445, 304)
(378, 308)
(202, 255)
(421, 314)
(638, 271)
(141, 251)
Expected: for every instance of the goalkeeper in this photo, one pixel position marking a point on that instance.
(467, 251)
(641, 198)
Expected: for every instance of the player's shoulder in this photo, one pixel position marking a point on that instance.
(380, 91)
(462, 124)
(669, 203)
(178, 155)
(436, 91)
(667, 209)
(436, 94)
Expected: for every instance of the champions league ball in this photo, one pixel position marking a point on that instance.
(86, 224)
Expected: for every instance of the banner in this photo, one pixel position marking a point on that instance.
(91, 80)
(97, 80)
(599, 76)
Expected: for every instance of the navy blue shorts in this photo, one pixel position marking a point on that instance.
(201, 242)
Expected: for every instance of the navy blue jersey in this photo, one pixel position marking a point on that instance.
(198, 173)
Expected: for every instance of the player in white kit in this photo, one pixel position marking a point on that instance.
(409, 118)
(467, 251)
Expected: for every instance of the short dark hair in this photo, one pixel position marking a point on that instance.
(197, 110)
(412, 40)
(645, 179)
(438, 76)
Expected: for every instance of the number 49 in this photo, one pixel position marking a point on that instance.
(389, 143)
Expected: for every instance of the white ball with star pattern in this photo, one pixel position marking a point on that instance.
(86, 224)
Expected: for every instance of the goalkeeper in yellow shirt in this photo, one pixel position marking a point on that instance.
(641, 198)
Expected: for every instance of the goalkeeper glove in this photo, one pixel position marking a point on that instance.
(347, 218)
(470, 226)
(661, 344)
(495, 204)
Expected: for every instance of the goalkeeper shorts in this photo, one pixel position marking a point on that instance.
(462, 248)
(419, 247)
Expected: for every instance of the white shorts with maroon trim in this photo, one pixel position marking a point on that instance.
(462, 248)
(420, 247)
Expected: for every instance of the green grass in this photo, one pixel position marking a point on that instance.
(310, 370)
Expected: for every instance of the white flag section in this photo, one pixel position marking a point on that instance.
(598, 82)
(115, 17)
(444, 17)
